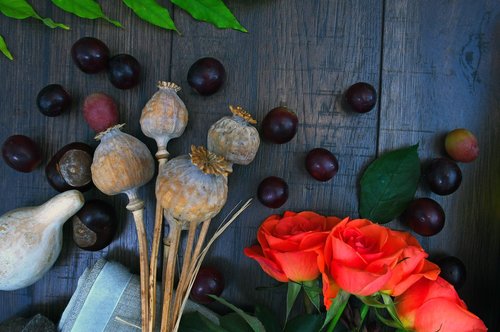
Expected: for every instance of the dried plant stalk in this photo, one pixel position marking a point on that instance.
(189, 260)
(198, 260)
(173, 243)
(136, 206)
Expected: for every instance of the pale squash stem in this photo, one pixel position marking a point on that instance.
(173, 242)
(155, 248)
(136, 206)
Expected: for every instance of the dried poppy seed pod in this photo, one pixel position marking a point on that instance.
(164, 117)
(121, 163)
(193, 188)
(234, 137)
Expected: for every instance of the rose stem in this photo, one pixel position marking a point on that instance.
(155, 248)
(136, 206)
(172, 242)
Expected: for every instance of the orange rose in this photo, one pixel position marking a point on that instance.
(363, 258)
(434, 305)
(289, 245)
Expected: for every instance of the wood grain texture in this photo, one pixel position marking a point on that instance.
(441, 71)
(304, 54)
(437, 65)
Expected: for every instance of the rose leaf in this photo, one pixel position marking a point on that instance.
(389, 184)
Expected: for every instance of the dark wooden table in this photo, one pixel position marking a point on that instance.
(435, 65)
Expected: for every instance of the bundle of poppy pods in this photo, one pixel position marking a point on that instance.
(386, 270)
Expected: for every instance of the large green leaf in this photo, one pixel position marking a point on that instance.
(85, 9)
(196, 322)
(268, 318)
(211, 11)
(291, 296)
(234, 323)
(253, 322)
(305, 323)
(389, 184)
(5, 49)
(21, 9)
(152, 12)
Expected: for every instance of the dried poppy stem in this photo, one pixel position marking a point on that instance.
(172, 242)
(186, 268)
(155, 248)
(136, 206)
(198, 260)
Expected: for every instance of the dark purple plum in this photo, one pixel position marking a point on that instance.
(21, 153)
(53, 100)
(425, 216)
(279, 125)
(206, 76)
(453, 270)
(321, 164)
(273, 192)
(124, 71)
(90, 54)
(361, 96)
(443, 176)
(208, 281)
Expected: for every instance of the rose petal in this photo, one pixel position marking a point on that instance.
(298, 266)
(269, 266)
(358, 282)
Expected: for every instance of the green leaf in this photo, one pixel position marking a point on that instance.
(372, 301)
(254, 323)
(196, 322)
(304, 323)
(5, 49)
(20, 9)
(291, 296)
(336, 309)
(386, 321)
(84, 9)
(391, 308)
(268, 318)
(150, 11)
(312, 291)
(211, 11)
(389, 184)
(234, 323)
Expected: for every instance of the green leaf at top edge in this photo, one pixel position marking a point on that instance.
(5, 49)
(211, 11)
(389, 184)
(254, 323)
(85, 9)
(21, 9)
(291, 296)
(150, 11)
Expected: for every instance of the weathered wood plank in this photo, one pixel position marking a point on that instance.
(42, 57)
(440, 72)
(302, 53)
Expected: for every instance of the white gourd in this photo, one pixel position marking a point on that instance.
(31, 239)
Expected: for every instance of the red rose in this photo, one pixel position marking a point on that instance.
(363, 258)
(434, 305)
(289, 245)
